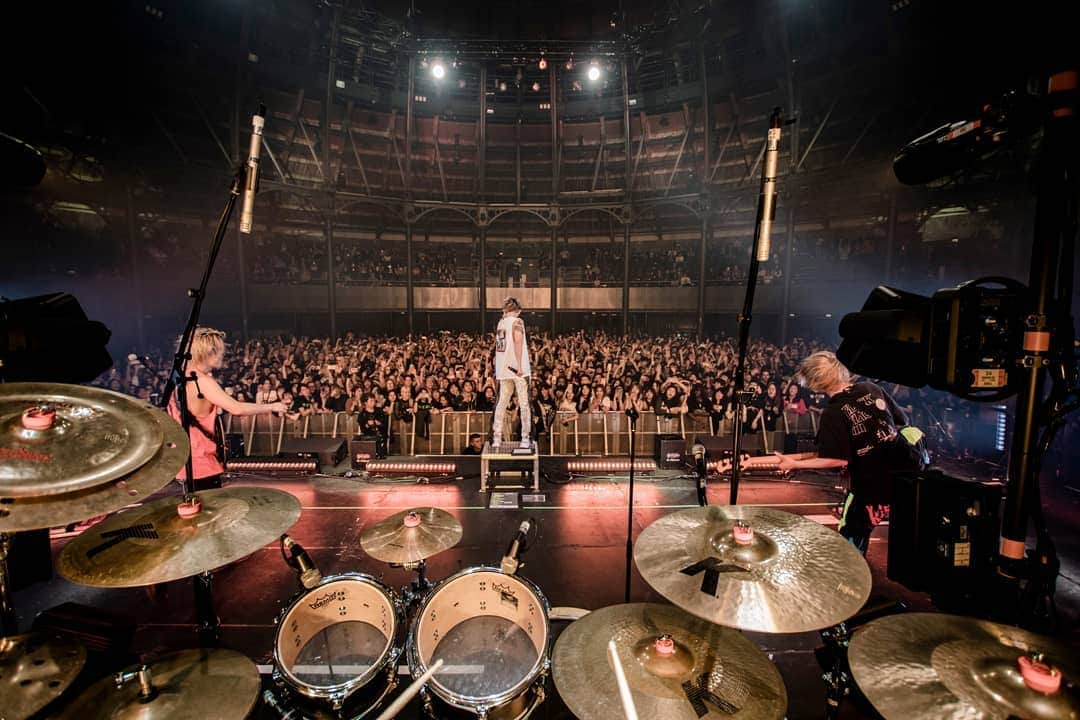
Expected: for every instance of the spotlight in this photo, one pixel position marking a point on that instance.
(438, 70)
(461, 83)
(570, 63)
(502, 86)
(594, 72)
(536, 87)
(542, 64)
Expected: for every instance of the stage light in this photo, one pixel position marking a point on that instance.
(542, 64)
(461, 84)
(570, 63)
(438, 70)
(536, 87)
(594, 72)
(502, 86)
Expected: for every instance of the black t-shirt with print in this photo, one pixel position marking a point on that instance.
(860, 425)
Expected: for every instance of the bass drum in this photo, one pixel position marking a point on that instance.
(337, 646)
(491, 631)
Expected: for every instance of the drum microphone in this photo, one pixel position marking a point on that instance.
(767, 200)
(700, 466)
(301, 562)
(251, 176)
(511, 560)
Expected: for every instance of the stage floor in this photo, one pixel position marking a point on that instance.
(577, 560)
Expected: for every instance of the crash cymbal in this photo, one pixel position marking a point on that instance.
(35, 669)
(32, 513)
(677, 666)
(753, 568)
(928, 665)
(411, 535)
(57, 439)
(152, 544)
(191, 684)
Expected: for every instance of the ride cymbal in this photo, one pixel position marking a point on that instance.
(930, 665)
(753, 568)
(57, 438)
(188, 685)
(35, 669)
(153, 544)
(678, 667)
(411, 535)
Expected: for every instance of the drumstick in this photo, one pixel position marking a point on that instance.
(624, 688)
(410, 692)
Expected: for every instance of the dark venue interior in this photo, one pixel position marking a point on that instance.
(509, 359)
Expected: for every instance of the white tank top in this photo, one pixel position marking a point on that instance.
(504, 350)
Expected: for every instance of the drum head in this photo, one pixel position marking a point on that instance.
(337, 636)
(491, 632)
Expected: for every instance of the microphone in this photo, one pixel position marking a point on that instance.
(511, 560)
(952, 147)
(700, 454)
(301, 562)
(767, 200)
(251, 175)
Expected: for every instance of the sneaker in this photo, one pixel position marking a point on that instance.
(496, 441)
(526, 443)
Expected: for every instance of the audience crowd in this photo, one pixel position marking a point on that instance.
(425, 376)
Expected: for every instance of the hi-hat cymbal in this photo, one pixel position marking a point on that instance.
(152, 544)
(35, 669)
(32, 513)
(753, 568)
(57, 438)
(929, 665)
(188, 685)
(677, 666)
(411, 535)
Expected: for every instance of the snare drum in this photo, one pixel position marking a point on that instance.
(337, 645)
(491, 632)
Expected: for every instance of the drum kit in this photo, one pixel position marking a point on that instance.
(478, 643)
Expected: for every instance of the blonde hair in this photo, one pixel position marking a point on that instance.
(822, 371)
(206, 343)
(511, 305)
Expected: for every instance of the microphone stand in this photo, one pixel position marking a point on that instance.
(765, 210)
(632, 414)
(207, 621)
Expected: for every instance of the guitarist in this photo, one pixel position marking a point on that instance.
(863, 430)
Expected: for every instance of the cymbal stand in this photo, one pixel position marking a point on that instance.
(9, 623)
(632, 415)
(833, 655)
(419, 586)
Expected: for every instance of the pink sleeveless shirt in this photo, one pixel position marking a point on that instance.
(205, 461)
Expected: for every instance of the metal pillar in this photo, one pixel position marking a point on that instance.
(701, 274)
(626, 280)
(330, 180)
(554, 304)
(552, 80)
(789, 241)
(410, 303)
(628, 184)
(136, 277)
(331, 269)
(482, 234)
(409, 126)
(704, 182)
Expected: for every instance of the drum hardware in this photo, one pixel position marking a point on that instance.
(283, 712)
(931, 665)
(676, 666)
(833, 655)
(708, 560)
(191, 684)
(419, 586)
(35, 669)
(410, 692)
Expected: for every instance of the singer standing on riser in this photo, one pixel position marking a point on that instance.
(512, 371)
